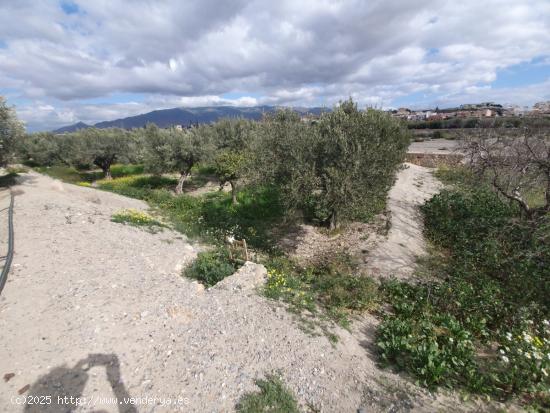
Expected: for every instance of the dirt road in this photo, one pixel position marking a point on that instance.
(397, 254)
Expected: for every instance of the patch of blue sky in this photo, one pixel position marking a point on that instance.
(69, 7)
(524, 74)
(432, 51)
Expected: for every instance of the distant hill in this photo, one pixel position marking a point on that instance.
(72, 128)
(186, 116)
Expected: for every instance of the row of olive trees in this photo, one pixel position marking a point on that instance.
(82, 149)
(336, 167)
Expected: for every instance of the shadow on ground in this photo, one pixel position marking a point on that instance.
(65, 385)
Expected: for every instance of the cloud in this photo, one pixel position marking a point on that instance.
(312, 52)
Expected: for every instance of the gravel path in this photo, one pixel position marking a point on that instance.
(396, 256)
(95, 309)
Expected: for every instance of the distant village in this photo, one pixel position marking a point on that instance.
(479, 110)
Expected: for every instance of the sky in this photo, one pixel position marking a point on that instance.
(93, 60)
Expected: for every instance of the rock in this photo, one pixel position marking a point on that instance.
(57, 186)
(247, 278)
(8, 376)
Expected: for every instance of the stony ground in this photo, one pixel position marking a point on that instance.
(95, 309)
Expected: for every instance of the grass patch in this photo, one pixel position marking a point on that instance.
(212, 217)
(334, 290)
(136, 186)
(63, 173)
(211, 267)
(458, 176)
(137, 218)
(273, 397)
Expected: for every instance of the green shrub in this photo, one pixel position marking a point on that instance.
(492, 294)
(211, 267)
(273, 397)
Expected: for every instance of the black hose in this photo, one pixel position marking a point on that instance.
(9, 256)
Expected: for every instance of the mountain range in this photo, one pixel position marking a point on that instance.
(185, 116)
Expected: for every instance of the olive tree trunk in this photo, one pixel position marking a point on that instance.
(183, 177)
(333, 223)
(233, 192)
(107, 172)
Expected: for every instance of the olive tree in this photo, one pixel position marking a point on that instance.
(42, 149)
(229, 166)
(284, 157)
(172, 150)
(233, 139)
(11, 129)
(357, 156)
(343, 166)
(100, 147)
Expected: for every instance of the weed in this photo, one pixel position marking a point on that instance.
(335, 288)
(211, 267)
(273, 397)
(137, 218)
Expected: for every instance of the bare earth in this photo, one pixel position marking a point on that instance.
(96, 309)
(396, 255)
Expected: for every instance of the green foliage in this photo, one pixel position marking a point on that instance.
(136, 218)
(11, 129)
(229, 166)
(211, 267)
(136, 186)
(63, 173)
(335, 287)
(233, 139)
(212, 216)
(459, 176)
(341, 167)
(430, 344)
(524, 359)
(40, 149)
(273, 397)
(171, 150)
(492, 294)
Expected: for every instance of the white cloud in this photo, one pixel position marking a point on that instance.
(303, 53)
